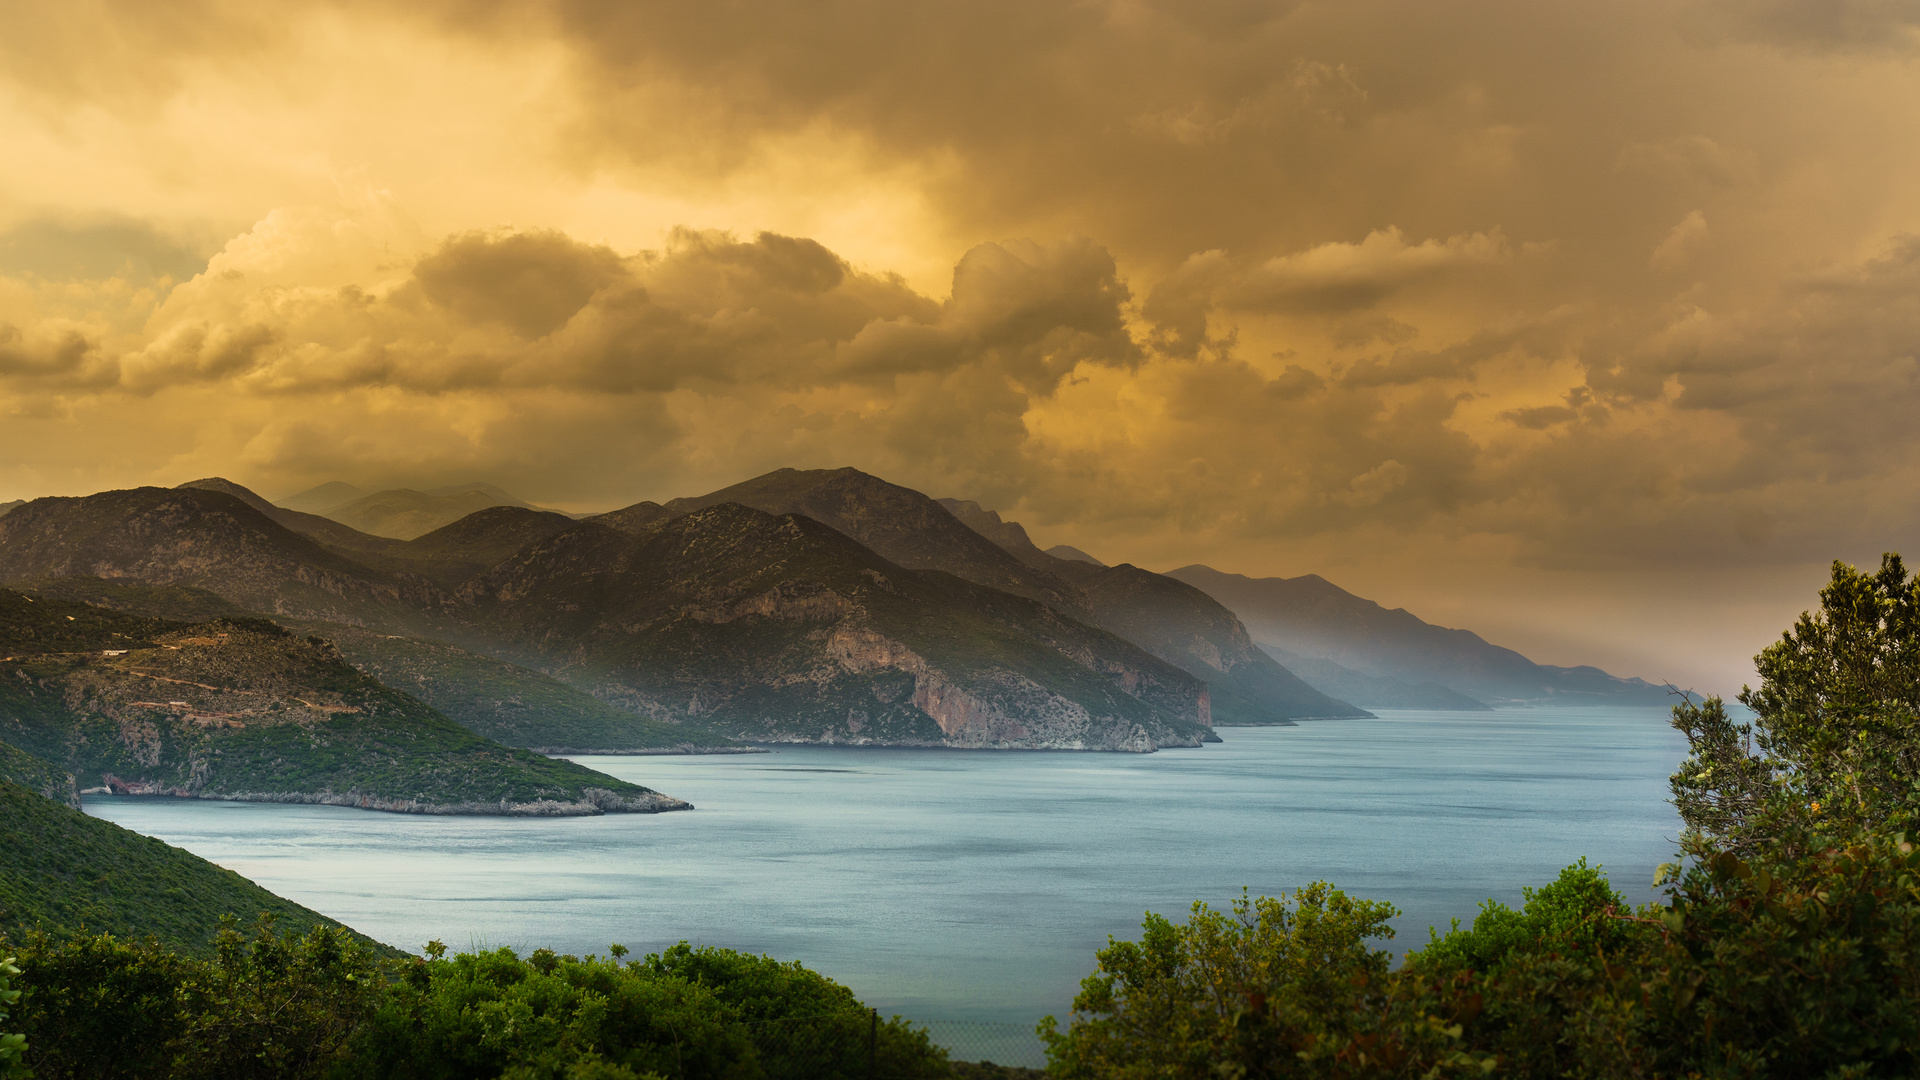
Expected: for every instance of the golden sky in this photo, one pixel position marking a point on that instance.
(1592, 327)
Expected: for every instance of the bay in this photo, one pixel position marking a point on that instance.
(975, 886)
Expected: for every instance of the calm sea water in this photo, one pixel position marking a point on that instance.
(960, 885)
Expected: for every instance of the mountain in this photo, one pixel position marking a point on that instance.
(1372, 691)
(994, 669)
(1186, 627)
(326, 530)
(1175, 622)
(504, 702)
(319, 500)
(1313, 617)
(1072, 554)
(635, 518)
(405, 514)
(241, 709)
(902, 525)
(511, 704)
(459, 552)
(781, 628)
(207, 539)
(61, 870)
(8, 507)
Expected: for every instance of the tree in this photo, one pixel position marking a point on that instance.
(1834, 746)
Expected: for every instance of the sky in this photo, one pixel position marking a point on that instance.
(1590, 327)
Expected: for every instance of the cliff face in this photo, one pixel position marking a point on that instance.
(780, 629)
(242, 709)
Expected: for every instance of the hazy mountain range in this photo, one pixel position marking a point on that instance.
(802, 606)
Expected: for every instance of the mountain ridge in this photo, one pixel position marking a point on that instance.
(1314, 617)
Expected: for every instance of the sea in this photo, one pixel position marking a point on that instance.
(970, 890)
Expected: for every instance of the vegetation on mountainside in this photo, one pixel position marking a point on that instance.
(780, 628)
(63, 871)
(203, 539)
(506, 702)
(40, 777)
(492, 698)
(1788, 946)
(242, 708)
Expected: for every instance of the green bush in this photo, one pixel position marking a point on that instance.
(278, 1005)
(273, 1005)
(13, 1046)
(687, 1012)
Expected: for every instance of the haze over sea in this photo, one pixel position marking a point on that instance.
(976, 885)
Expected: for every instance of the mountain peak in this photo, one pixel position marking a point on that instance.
(901, 524)
(325, 497)
(245, 495)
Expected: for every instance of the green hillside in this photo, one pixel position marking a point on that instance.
(62, 870)
(243, 709)
(19, 767)
(498, 700)
(509, 703)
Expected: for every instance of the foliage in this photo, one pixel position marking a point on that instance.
(13, 1045)
(687, 1012)
(1811, 969)
(1276, 988)
(64, 871)
(1834, 747)
(278, 1005)
(506, 702)
(270, 1006)
(1571, 909)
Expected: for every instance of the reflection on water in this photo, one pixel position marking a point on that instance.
(975, 885)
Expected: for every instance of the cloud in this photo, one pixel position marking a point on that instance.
(1681, 242)
(1590, 276)
(531, 283)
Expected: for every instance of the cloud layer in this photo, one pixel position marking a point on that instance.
(1433, 299)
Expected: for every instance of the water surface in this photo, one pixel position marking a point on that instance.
(975, 885)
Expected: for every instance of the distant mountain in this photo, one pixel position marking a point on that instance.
(405, 514)
(779, 628)
(241, 709)
(457, 553)
(1313, 617)
(1072, 554)
(65, 871)
(326, 530)
(1372, 691)
(1174, 621)
(635, 518)
(8, 507)
(328, 496)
